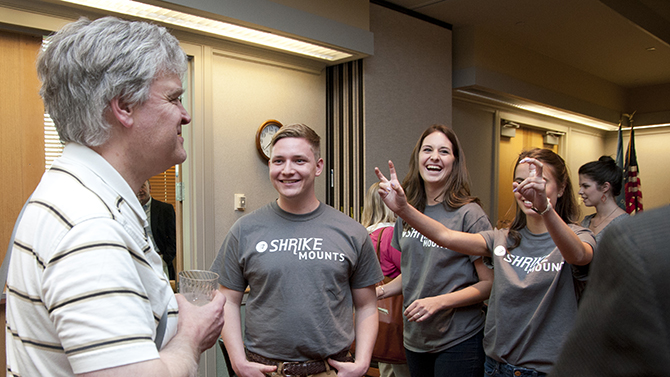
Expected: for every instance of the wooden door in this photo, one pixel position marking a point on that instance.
(526, 138)
(21, 136)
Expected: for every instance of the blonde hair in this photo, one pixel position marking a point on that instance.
(303, 131)
(374, 209)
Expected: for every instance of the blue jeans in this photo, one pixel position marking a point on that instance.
(494, 368)
(465, 359)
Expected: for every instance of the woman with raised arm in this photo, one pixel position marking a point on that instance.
(443, 291)
(599, 184)
(540, 263)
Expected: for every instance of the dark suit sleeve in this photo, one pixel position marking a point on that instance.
(623, 324)
(164, 229)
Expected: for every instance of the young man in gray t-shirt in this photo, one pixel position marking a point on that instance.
(307, 266)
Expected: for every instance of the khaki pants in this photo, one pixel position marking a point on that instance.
(393, 370)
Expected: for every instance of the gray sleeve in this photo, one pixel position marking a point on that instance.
(397, 234)
(368, 270)
(581, 273)
(477, 221)
(227, 264)
(489, 238)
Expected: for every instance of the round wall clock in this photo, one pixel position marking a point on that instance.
(264, 136)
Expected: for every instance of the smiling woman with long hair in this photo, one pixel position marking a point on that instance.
(443, 291)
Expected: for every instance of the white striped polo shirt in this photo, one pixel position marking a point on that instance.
(85, 289)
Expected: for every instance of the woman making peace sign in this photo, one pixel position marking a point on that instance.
(540, 263)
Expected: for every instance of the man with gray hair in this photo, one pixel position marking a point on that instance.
(86, 292)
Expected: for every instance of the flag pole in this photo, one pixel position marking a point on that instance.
(631, 176)
(621, 198)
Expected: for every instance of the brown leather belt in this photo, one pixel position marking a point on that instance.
(299, 368)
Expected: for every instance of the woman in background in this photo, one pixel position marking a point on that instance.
(600, 183)
(540, 263)
(443, 291)
(379, 221)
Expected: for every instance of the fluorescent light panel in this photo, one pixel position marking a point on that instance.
(544, 110)
(648, 126)
(569, 117)
(224, 29)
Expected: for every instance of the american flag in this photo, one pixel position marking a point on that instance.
(632, 186)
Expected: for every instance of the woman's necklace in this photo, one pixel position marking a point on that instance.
(595, 226)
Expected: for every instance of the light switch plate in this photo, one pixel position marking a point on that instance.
(240, 202)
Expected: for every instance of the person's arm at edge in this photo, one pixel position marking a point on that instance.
(478, 292)
(393, 195)
(367, 323)
(171, 231)
(199, 328)
(390, 289)
(232, 336)
(389, 257)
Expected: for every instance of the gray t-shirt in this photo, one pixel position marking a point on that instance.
(587, 221)
(300, 270)
(533, 302)
(430, 270)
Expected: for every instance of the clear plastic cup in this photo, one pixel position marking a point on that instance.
(198, 286)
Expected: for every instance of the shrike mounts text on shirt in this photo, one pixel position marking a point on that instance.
(304, 248)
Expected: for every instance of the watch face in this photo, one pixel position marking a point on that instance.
(266, 138)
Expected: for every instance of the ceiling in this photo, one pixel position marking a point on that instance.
(626, 42)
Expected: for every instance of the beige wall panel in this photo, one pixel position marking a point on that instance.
(246, 94)
(474, 127)
(407, 87)
(355, 13)
(653, 155)
(584, 147)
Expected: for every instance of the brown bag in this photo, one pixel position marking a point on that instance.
(389, 346)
